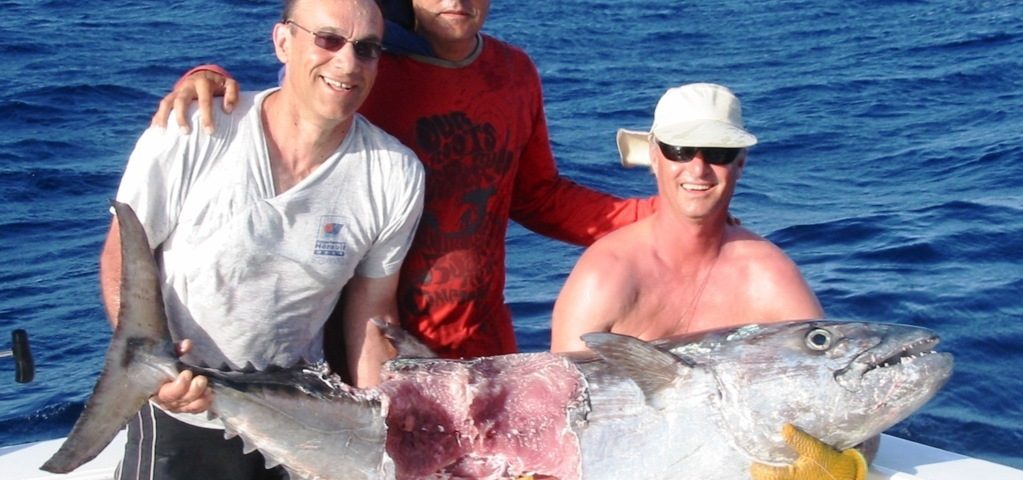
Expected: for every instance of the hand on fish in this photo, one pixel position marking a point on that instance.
(817, 461)
(188, 393)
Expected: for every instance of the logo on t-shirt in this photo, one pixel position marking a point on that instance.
(329, 242)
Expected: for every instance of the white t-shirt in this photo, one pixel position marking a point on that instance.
(251, 276)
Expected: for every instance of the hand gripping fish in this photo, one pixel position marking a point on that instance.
(703, 406)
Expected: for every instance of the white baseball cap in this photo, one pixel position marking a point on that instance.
(693, 115)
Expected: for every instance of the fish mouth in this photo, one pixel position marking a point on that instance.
(907, 353)
(886, 357)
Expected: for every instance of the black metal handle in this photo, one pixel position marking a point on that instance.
(25, 369)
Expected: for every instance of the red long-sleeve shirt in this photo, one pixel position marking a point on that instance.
(481, 132)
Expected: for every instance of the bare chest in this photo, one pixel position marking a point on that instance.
(685, 305)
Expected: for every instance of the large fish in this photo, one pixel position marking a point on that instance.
(695, 407)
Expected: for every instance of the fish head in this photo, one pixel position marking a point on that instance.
(841, 382)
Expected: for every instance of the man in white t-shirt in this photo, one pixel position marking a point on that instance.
(259, 226)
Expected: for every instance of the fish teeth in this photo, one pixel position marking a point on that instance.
(270, 462)
(247, 447)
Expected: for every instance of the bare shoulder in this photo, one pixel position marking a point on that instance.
(600, 287)
(619, 252)
(775, 287)
(757, 252)
(606, 265)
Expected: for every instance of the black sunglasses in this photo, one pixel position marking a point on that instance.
(711, 155)
(364, 49)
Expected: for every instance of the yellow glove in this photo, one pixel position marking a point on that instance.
(817, 461)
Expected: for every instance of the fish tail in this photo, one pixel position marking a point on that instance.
(139, 359)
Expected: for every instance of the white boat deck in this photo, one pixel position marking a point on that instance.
(22, 462)
(897, 459)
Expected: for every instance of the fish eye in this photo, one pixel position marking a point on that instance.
(818, 339)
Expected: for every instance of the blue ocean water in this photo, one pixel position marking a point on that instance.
(889, 165)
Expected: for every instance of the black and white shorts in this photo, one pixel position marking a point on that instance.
(161, 447)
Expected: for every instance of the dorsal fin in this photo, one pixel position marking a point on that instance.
(650, 367)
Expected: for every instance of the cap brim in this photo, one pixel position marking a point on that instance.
(704, 133)
(633, 147)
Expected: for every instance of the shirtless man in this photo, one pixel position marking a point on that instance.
(684, 268)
